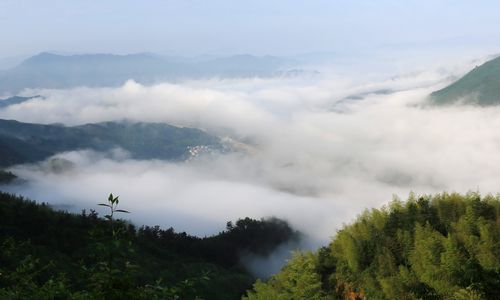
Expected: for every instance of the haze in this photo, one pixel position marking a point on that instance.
(257, 27)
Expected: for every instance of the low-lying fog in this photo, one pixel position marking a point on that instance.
(317, 150)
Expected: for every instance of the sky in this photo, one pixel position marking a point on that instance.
(276, 27)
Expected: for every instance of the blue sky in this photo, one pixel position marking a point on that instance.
(279, 27)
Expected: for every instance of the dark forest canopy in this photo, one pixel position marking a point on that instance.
(432, 247)
(48, 254)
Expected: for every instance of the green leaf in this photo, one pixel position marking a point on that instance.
(122, 210)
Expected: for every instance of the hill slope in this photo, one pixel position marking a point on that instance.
(26, 142)
(480, 86)
(441, 247)
(47, 254)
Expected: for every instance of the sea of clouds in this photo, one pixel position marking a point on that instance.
(314, 150)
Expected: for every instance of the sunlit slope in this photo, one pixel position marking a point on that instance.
(480, 86)
(441, 247)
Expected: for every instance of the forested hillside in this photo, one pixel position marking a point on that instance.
(480, 86)
(28, 142)
(441, 247)
(47, 254)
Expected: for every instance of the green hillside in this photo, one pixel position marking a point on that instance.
(48, 254)
(26, 142)
(441, 247)
(480, 86)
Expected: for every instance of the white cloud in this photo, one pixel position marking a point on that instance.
(317, 160)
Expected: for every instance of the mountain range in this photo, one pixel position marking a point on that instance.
(14, 100)
(48, 70)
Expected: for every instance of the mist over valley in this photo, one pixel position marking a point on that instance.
(223, 150)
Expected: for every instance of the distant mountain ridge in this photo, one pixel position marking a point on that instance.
(27, 142)
(14, 100)
(480, 86)
(48, 70)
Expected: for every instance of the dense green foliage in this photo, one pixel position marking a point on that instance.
(441, 247)
(25, 142)
(48, 254)
(479, 86)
